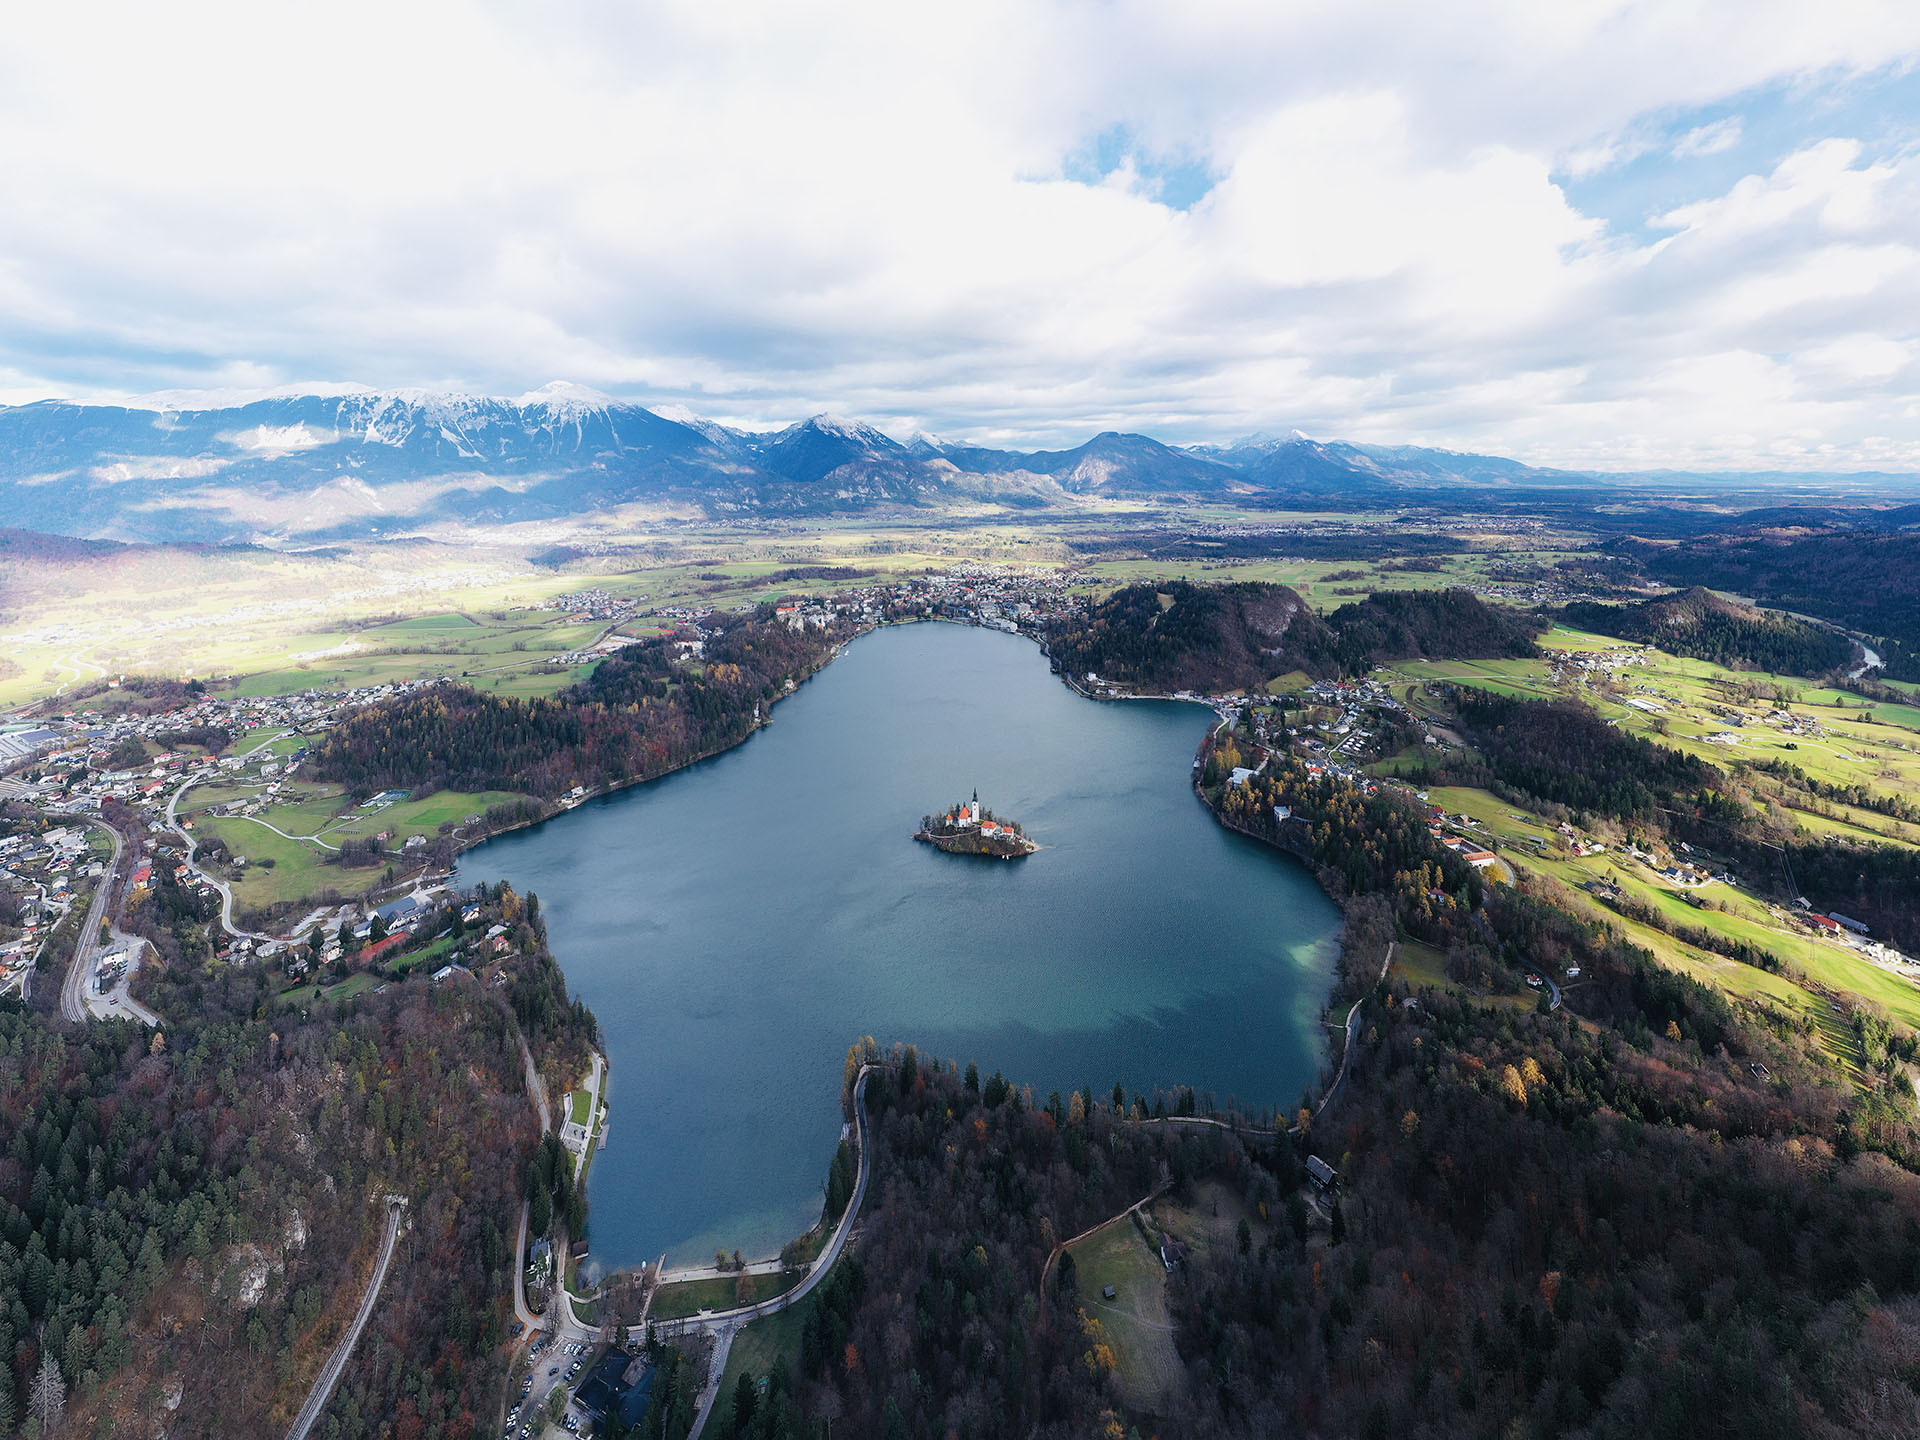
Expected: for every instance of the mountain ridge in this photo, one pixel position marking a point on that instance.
(340, 462)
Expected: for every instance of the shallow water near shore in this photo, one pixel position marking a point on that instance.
(737, 925)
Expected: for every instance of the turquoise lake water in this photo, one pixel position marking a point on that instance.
(738, 924)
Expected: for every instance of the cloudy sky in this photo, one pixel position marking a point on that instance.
(1629, 234)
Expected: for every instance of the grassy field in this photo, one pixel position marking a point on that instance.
(1719, 715)
(690, 1297)
(298, 870)
(769, 1342)
(368, 613)
(429, 958)
(365, 614)
(1730, 911)
(358, 984)
(1329, 584)
(492, 649)
(1420, 965)
(1146, 1366)
(315, 817)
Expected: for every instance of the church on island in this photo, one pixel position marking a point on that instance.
(970, 815)
(971, 829)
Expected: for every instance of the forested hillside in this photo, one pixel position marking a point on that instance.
(1699, 623)
(1180, 636)
(931, 1326)
(642, 713)
(1561, 752)
(188, 1217)
(1549, 1228)
(1864, 580)
(1394, 625)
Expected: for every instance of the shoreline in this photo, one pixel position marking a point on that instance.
(562, 807)
(1220, 1117)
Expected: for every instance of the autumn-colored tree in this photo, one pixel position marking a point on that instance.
(1512, 1086)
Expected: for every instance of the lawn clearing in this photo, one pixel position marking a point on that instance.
(690, 1297)
(770, 1343)
(1147, 1368)
(1421, 965)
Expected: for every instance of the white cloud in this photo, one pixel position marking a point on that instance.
(762, 209)
(1583, 162)
(157, 468)
(1713, 139)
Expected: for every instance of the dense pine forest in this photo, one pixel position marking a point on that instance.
(935, 1325)
(1704, 625)
(645, 710)
(1181, 636)
(1392, 625)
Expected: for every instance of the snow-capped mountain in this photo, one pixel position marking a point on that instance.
(343, 461)
(844, 453)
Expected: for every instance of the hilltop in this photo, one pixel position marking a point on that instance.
(1863, 577)
(1707, 626)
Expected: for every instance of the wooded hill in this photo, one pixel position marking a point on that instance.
(642, 713)
(1858, 578)
(1707, 626)
(188, 1218)
(1181, 636)
(1562, 753)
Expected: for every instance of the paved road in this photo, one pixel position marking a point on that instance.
(560, 1319)
(193, 845)
(536, 1087)
(330, 1374)
(73, 991)
(521, 1310)
(1553, 986)
(315, 839)
(226, 890)
(118, 1003)
(537, 1093)
(1346, 1053)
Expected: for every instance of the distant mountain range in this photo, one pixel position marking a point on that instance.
(355, 463)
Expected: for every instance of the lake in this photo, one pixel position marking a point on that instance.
(737, 925)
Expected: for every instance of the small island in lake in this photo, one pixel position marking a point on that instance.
(971, 830)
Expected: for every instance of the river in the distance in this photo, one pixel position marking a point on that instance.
(738, 924)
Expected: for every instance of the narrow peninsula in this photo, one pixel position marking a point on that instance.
(969, 829)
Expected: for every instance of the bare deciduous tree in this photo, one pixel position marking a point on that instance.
(47, 1396)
